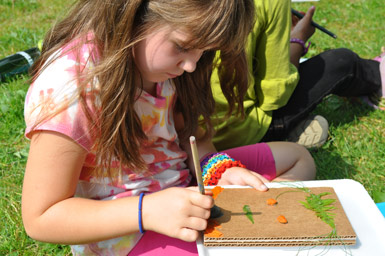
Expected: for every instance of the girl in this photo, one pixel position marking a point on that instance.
(282, 92)
(114, 97)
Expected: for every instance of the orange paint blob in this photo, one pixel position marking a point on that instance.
(214, 233)
(216, 191)
(271, 201)
(282, 219)
(212, 229)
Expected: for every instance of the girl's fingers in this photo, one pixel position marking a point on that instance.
(188, 235)
(199, 212)
(196, 223)
(202, 201)
(256, 182)
(263, 179)
(190, 231)
(208, 192)
(242, 176)
(310, 12)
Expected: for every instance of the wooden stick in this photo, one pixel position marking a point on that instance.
(197, 165)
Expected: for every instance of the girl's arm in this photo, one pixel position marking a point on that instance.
(232, 176)
(51, 213)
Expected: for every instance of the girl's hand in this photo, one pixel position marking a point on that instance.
(244, 177)
(303, 29)
(177, 212)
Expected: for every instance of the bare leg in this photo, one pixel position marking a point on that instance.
(293, 162)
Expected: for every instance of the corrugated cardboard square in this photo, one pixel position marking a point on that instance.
(304, 228)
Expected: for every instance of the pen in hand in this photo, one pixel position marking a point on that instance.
(300, 15)
(198, 171)
(215, 210)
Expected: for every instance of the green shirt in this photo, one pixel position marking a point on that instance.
(272, 78)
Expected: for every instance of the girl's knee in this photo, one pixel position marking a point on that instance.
(293, 162)
(306, 156)
(306, 161)
(340, 56)
(288, 154)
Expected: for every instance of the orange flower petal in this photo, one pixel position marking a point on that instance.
(212, 229)
(282, 219)
(271, 201)
(216, 191)
(215, 233)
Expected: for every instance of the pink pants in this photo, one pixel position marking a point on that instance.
(256, 157)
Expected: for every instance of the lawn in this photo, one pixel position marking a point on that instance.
(355, 148)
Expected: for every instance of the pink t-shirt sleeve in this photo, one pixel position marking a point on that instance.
(55, 91)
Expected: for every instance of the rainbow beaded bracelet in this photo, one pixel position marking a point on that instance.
(214, 165)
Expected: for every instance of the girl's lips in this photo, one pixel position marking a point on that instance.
(172, 75)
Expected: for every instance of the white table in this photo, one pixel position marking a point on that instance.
(366, 219)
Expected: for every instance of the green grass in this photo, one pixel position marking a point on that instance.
(358, 24)
(355, 148)
(23, 24)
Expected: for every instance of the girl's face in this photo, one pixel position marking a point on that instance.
(160, 56)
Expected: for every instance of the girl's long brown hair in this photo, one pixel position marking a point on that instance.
(117, 26)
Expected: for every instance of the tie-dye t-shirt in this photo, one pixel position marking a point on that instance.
(165, 159)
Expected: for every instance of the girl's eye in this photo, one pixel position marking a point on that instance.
(180, 48)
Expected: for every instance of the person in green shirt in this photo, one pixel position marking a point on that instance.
(282, 92)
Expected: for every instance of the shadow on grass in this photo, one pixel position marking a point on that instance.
(331, 166)
(340, 111)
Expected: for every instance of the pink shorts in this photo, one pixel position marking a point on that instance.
(155, 244)
(256, 157)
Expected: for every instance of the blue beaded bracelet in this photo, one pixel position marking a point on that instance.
(140, 212)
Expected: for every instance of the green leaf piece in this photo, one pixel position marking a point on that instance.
(321, 207)
(248, 212)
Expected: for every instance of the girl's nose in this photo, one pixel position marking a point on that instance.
(189, 63)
